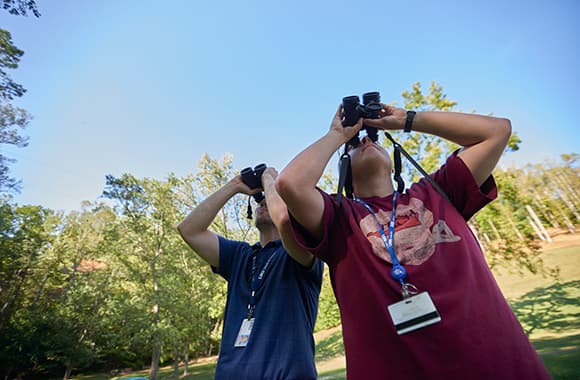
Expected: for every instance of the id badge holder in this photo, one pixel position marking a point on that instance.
(244, 333)
(413, 313)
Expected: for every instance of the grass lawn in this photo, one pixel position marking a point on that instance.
(549, 312)
(203, 371)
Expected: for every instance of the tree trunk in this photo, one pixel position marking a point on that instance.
(186, 364)
(516, 229)
(569, 189)
(68, 371)
(541, 206)
(154, 372)
(536, 229)
(12, 298)
(563, 215)
(156, 338)
(175, 364)
(40, 289)
(495, 232)
(568, 203)
(539, 224)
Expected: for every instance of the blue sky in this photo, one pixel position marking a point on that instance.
(147, 88)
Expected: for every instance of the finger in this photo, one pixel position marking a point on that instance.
(339, 112)
(357, 126)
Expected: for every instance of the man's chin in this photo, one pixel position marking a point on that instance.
(369, 168)
(260, 222)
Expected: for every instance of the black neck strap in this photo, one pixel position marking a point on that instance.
(398, 150)
(397, 175)
(344, 167)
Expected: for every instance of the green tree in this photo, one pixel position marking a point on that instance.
(26, 232)
(430, 151)
(20, 7)
(208, 290)
(161, 273)
(23, 236)
(12, 119)
(145, 229)
(86, 277)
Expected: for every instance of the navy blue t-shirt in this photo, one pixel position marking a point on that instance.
(281, 345)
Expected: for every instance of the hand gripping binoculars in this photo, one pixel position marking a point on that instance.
(352, 110)
(253, 179)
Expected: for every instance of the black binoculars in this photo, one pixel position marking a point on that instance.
(253, 178)
(352, 110)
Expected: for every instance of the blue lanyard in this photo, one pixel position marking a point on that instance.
(257, 282)
(399, 273)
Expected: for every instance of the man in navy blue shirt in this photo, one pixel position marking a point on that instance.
(273, 288)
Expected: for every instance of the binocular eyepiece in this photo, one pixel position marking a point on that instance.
(253, 178)
(353, 110)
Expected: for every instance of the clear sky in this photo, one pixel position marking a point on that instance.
(147, 87)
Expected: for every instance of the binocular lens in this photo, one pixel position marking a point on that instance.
(259, 169)
(371, 97)
(350, 101)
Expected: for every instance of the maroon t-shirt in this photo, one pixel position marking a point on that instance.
(478, 337)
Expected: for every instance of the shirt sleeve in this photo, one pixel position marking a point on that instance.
(457, 181)
(303, 237)
(231, 251)
(313, 274)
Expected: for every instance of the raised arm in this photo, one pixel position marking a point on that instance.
(194, 228)
(296, 184)
(279, 214)
(483, 138)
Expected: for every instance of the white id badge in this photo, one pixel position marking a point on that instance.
(413, 313)
(244, 333)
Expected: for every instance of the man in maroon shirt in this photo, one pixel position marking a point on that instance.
(416, 297)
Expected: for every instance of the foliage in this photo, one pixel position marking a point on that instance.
(20, 7)
(9, 57)
(328, 312)
(430, 151)
(12, 119)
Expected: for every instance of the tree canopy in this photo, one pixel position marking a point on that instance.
(20, 7)
(12, 119)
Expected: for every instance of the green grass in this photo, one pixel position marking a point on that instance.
(202, 371)
(514, 285)
(561, 356)
(329, 347)
(335, 374)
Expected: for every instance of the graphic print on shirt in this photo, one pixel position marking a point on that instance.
(415, 233)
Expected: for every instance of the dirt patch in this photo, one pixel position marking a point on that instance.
(334, 363)
(207, 359)
(561, 239)
(321, 335)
